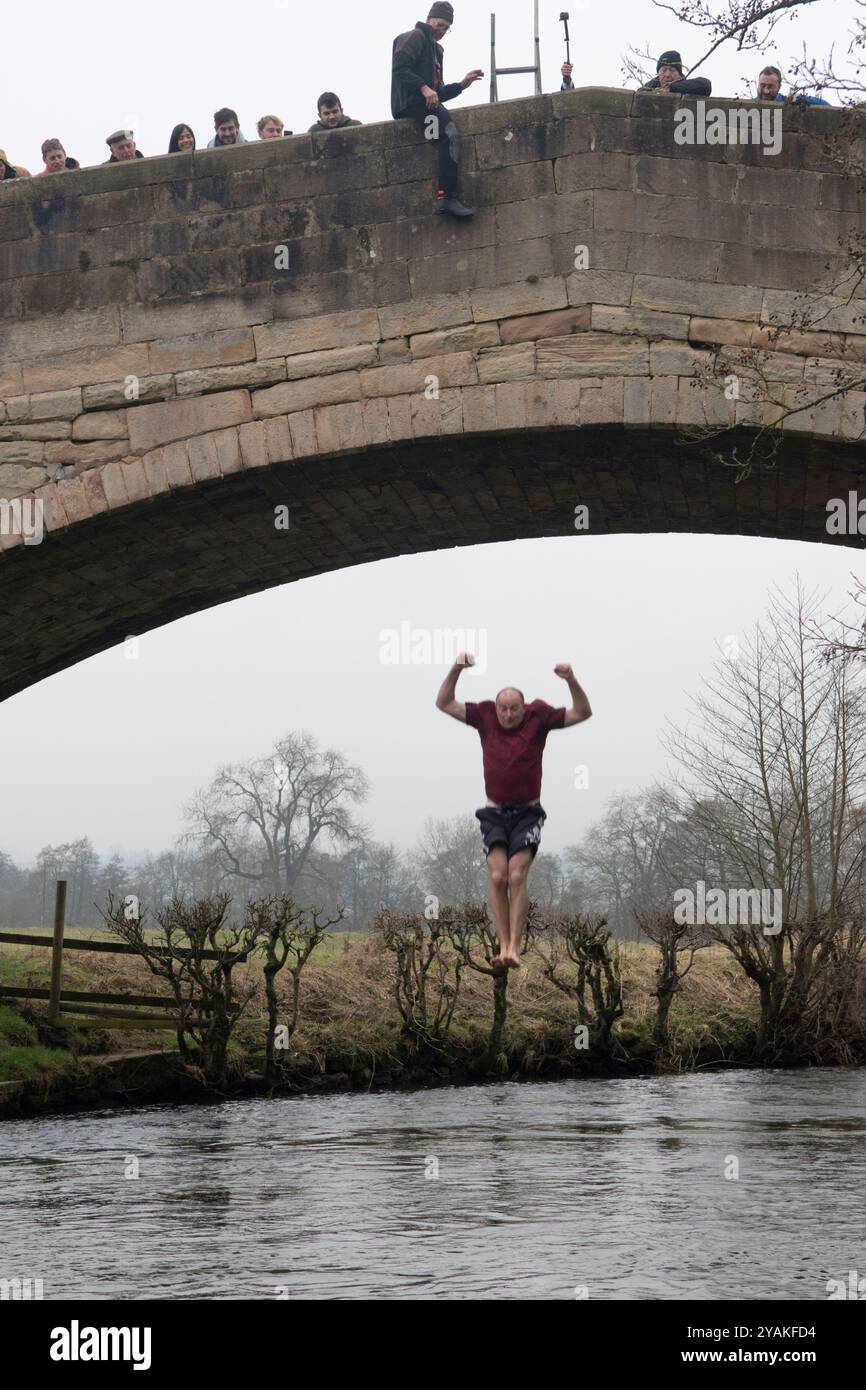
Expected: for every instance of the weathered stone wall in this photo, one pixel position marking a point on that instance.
(154, 352)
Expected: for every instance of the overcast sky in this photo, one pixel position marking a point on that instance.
(113, 747)
(81, 72)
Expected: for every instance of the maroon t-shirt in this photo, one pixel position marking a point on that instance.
(512, 757)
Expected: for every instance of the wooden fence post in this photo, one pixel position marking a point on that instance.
(57, 951)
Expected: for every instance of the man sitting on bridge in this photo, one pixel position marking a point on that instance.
(770, 89)
(513, 735)
(417, 91)
(669, 78)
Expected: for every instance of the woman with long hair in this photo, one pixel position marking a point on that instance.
(182, 140)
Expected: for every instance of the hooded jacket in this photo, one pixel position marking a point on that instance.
(13, 171)
(70, 164)
(341, 125)
(414, 60)
(686, 86)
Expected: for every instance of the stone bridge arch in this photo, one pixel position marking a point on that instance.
(189, 344)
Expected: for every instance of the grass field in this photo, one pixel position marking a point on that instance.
(348, 1007)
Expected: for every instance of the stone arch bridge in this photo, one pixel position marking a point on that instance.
(191, 344)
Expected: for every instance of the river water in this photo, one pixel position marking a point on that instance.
(606, 1189)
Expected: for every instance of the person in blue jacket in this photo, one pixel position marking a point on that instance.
(227, 129)
(770, 89)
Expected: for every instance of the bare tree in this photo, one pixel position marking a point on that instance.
(196, 954)
(284, 932)
(449, 862)
(422, 960)
(623, 859)
(262, 819)
(774, 765)
(674, 939)
(476, 942)
(585, 941)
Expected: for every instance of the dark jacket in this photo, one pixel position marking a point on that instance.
(115, 160)
(415, 56)
(687, 86)
(341, 125)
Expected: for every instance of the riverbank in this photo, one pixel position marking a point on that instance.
(349, 1034)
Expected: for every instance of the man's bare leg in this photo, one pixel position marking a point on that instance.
(497, 873)
(518, 882)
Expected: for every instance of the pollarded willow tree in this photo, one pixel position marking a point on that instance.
(261, 820)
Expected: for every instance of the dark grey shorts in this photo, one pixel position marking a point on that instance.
(512, 827)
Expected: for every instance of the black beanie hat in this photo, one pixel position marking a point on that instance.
(671, 59)
(442, 10)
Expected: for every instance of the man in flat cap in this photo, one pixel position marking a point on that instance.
(418, 92)
(669, 78)
(122, 147)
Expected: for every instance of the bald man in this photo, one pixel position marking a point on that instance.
(513, 735)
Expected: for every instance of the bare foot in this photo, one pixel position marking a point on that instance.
(496, 960)
(511, 961)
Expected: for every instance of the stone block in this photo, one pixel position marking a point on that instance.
(424, 315)
(557, 324)
(593, 354)
(518, 299)
(152, 425)
(105, 424)
(322, 332)
(648, 323)
(600, 287)
(225, 348)
(454, 369)
(697, 297)
(512, 363)
(292, 396)
(249, 374)
(310, 364)
(470, 338)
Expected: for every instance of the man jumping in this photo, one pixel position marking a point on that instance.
(513, 735)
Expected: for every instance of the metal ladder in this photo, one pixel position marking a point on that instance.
(503, 72)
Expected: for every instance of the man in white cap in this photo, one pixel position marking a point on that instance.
(122, 146)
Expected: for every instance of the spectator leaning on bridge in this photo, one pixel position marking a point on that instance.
(669, 78)
(770, 89)
(56, 158)
(122, 146)
(227, 128)
(182, 139)
(331, 116)
(11, 171)
(270, 127)
(417, 91)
